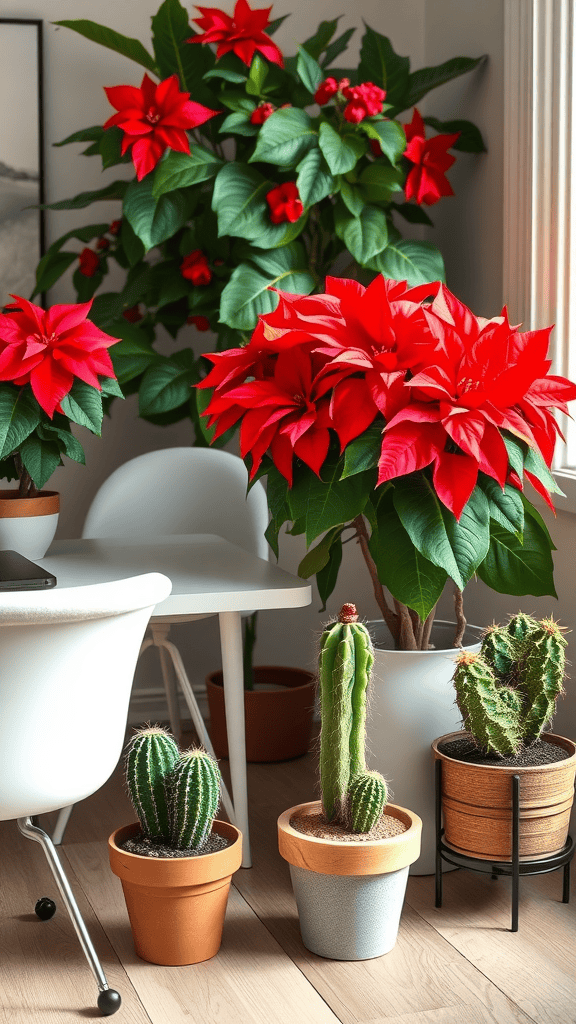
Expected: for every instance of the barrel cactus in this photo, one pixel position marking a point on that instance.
(352, 796)
(175, 794)
(507, 692)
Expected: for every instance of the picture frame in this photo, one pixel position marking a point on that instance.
(22, 160)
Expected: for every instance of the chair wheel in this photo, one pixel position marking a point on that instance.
(109, 1001)
(45, 908)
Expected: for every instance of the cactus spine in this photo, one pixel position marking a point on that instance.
(194, 799)
(150, 757)
(175, 795)
(345, 664)
(507, 693)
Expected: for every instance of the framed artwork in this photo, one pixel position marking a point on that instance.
(21, 156)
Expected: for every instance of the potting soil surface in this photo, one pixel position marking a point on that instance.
(146, 848)
(464, 749)
(317, 826)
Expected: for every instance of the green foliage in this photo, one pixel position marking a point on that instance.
(217, 194)
(175, 794)
(507, 693)
(351, 796)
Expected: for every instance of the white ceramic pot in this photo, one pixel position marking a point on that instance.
(28, 525)
(349, 894)
(412, 702)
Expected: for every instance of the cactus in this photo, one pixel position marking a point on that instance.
(150, 757)
(507, 693)
(175, 795)
(194, 799)
(345, 664)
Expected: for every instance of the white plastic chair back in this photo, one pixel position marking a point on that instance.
(67, 660)
(182, 490)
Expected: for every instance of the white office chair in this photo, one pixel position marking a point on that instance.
(180, 490)
(66, 668)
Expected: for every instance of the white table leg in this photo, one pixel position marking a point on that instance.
(232, 669)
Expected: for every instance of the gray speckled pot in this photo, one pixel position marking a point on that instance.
(349, 895)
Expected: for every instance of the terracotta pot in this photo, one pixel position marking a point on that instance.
(28, 525)
(477, 804)
(349, 894)
(176, 906)
(278, 721)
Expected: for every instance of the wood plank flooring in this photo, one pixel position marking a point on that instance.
(457, 965)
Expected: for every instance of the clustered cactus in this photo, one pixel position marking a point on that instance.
(175, 794)
(507, 692)
(352, 796)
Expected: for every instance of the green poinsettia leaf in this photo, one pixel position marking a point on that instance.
(309, 70)
(389, 135)
(470, 140)
(314, 181)
(83, 405)
(174, 55)
(425, 79)
(166, 385)
(131, 48)
(411, 261)
(412, 579)
(153, 219)
(519, 567)
(115, 190)
(239, 123)
(380, 64)
(248, 293)
(366, 235)
(318, 557)
(420, 512)
(334, 49)
(51, 268)
(469, 537)
(257, 76)
(40, 459)
(179, 170)
(379, 183)
(505, 504)
(341, 152)
(327, 576)
(363, 452)
(239, 201)
(84, 135)
(321, 38)
(285, 138)
(19, 417)
(323, 504)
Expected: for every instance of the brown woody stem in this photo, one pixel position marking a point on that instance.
(390, 618)
(460, 620)
(407, 637)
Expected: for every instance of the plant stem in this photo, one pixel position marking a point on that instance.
(427, 629)
(460, 620)
(390, 618)
(407, 638)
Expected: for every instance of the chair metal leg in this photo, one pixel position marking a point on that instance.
(61, 824)
(108, 999)
(233, 674)
(170, 649)
(160, 637)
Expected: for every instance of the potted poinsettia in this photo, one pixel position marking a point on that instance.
(251, 169)
(410, 426)
(55, 369)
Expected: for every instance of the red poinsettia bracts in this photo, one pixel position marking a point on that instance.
(426, 181)
(243, 33)
(444, 385)
(154, 118)
(51, 348)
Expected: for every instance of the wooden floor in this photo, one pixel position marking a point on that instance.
(457, 965)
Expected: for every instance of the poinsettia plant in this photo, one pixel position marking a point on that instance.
(252, 169)
(55, 369)
(408, 425)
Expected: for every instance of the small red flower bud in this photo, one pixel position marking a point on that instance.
(201, 323)
(343, 84)
(325, 91)
(285, 203)
(195, 268)
(261, 113)
(114, 228)
(132, 315)
(375, 147)
(89, 263)
(102, 243)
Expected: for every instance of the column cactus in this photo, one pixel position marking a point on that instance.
(507, 693)
(150, 757)
(351, 796)
(175, 794)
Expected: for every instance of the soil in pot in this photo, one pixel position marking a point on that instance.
(146, 848)
(278, 713)
(317, 826)
(540, 752)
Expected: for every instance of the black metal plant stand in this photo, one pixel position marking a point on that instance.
(514, 868)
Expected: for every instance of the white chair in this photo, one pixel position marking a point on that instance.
(172, 491)
(66, 669)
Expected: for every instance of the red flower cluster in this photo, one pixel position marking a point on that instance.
(325, 91)
(443, 383)
(89, 262)
(49, 348)
(195, 268)
(363, 101)
(426, 181)
(201, 323)
(154, 118)
(243, 33)
(285, 203)
(262, 113)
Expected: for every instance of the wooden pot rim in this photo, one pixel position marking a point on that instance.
(334, 857)
(170, 872)
(12, 506)
(215, 679)
(559, 741)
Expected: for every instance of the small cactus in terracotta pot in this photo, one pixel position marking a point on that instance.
(349, 853)
(177, 861)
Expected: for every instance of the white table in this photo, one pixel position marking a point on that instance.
(209, 575)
